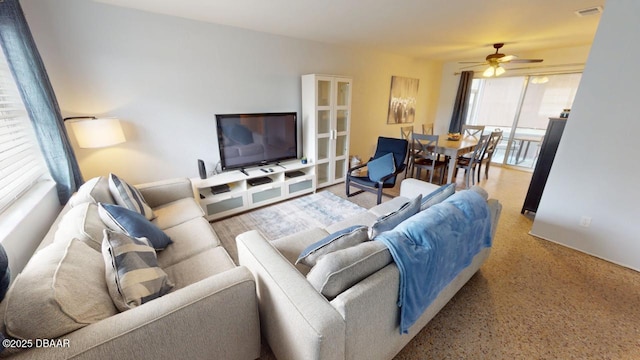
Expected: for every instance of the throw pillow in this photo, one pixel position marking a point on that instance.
(381, 167)
(391, 220)
(337, 271)
(437, 196)
(338, 240)
(129, 197)
(61, 289)
(133, 224)
(94, 191)
(132, 271)
(82, 222)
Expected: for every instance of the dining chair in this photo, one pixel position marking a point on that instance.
(405, 133)
(472, 130)
(487, 155)
(423, 157)
(469, 161)
(382, 169)
(427, 129)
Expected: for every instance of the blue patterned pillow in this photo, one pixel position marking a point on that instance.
(133, 224)
(338, 240)
(132, 272)
(391, 220)
(437, 196)
(129, 197)
(381, 167)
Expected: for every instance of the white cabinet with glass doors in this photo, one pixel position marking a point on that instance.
(326, 117)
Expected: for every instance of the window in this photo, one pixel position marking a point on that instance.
(521, 107)
(21, 161)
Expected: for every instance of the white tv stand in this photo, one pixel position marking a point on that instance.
(242, 196)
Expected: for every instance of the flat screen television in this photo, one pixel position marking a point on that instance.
(246, 140)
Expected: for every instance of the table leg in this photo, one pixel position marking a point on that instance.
(452, 169)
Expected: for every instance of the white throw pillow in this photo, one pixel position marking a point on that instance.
(61, 289)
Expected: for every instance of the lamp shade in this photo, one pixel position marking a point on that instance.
(97, 133)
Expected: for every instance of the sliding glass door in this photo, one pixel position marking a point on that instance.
(520, 106)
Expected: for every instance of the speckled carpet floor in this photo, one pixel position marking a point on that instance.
(532, 299)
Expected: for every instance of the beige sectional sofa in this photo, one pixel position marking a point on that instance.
(362, 321)
(211, 312)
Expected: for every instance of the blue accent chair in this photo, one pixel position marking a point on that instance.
(398, 147)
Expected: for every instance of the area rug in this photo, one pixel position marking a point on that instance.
(316, 210)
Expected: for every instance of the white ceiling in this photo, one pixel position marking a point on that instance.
(446, 30)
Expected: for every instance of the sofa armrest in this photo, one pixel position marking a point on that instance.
(163, 192)
(216, 317)
(410, 188)
(297, 321)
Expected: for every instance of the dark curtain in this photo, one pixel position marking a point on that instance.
(39, 99)
(461, 106)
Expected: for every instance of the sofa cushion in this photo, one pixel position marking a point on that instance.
(176, 213)
(200, 266)
(129, 197)
(132, 272)
(339, 270)
(189, 238)
(81, 222)
(338, 240)
(94, 191)
(364, 218)
(133, 224)
(437, 196)
(389, 221)
(381, 167)
(61, 289)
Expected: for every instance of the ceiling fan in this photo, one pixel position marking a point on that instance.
(494, 61)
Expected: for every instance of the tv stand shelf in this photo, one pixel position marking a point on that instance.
(242, 196)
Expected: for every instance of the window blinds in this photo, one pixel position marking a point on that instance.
(21, 162)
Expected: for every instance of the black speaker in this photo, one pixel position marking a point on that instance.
(202, 169)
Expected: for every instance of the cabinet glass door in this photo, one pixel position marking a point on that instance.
(342, 120)
(324, 93)
(324, 122)
(342, 93)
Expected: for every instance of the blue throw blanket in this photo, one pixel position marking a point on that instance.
(433, 246)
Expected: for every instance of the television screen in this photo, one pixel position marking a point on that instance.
(252, 139)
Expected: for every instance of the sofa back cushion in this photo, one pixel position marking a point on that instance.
(339, 270)
(94, 191)
(437, 196)
(61, 289)
(81, 222)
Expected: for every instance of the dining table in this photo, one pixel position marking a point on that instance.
(453, 149)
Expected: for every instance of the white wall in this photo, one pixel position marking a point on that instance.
(166, 78)
(595, 172)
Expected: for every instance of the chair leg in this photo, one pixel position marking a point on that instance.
(479, 170)
(379, 196)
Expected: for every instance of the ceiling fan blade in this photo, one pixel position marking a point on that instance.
(477, 64)
(507, 58)
(472, 62)
(526, 60)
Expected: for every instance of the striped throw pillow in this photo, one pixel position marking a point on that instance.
(129, 197)
(132, 272)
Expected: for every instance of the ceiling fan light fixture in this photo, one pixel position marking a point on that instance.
(489, 72)
(500, 70)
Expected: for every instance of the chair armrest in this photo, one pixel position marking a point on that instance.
(297, 321)
(216, 317)
(163, 192)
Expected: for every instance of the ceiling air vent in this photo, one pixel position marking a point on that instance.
(596, 10)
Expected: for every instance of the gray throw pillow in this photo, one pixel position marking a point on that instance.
(132, 272)
(339, 270)
(437, 196)
(342, 239)
(391, 220)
